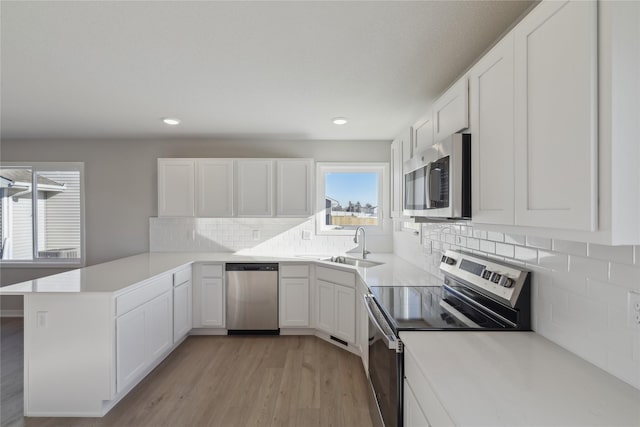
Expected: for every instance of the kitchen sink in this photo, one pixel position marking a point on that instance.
(356, 262)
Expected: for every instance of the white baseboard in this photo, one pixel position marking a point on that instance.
(11, 313)
(208, 331)
(297, 331)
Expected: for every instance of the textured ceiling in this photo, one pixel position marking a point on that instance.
(97, 69)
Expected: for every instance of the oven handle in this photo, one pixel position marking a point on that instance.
(458, 315)
(390, 339)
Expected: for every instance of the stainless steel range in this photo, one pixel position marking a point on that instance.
(476, 293)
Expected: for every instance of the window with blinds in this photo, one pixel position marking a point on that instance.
(41, 213)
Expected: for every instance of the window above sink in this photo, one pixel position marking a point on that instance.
(351, 195)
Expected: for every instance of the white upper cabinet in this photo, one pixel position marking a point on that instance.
(294, 187)
(423, 133)
(214, 187)
(491, 113)
(176, 187)
(235, 187)
(555, 116)
(399, 146)
(451, 110)
(255, 187)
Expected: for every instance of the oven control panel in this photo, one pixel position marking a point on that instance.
(503, 281)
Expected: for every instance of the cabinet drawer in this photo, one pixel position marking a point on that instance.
(179, 277)
(426, 397)
(137, 297)
(294, 270)
(212, 270)
(340, 277)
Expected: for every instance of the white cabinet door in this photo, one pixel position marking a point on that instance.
(423, 134)
(294, 187)
(400, 153)
(182, 304)
(131, 354)
(212, 302)
(159, 326)
(255, 187)
(451, 110)
(345, 323)
(214, 187)
(176, 187)
(325, 306)
(294, 302)
(491, 111)
(413, 415)
(555, 116)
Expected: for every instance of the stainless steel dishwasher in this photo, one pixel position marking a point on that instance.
(252, 298)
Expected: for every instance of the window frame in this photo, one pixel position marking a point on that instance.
(36, 262)
(380, 168)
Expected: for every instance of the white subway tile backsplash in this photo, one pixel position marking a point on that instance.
(488, 247)
(515, 239)
(579, 291)
(479, 234)
(473, 243)
(505, 250)
(575, 284)
(539, 242)
(572, 248)
(588, 267)
(553, 260)
(620, 254)
(495, 236)
(625, 275)
(527, 255)
(607, 293)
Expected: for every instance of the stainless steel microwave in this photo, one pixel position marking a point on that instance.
(437, 181)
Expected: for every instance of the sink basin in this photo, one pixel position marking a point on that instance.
(356, 262)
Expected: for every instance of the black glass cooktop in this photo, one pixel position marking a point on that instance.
(415, 308)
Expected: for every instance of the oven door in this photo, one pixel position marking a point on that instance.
(385, 366)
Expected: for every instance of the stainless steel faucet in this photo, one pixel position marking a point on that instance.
(364, 242)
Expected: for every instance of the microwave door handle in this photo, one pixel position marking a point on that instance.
(389, 339)
(427, 185)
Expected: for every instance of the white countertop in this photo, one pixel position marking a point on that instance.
(117, 275)
(518, 379)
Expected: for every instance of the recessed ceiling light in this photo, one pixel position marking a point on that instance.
(171, 121)
(339, 121)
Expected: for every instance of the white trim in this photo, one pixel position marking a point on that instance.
(380, 168)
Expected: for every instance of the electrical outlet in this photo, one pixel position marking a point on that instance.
(633, 309)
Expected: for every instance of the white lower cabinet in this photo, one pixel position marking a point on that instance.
(131, 357)
(182, 310)
(426, 409)
(212, 302)
(209, 296)
(143, 335)
(345, 327)
(294, 296)
(413, 415)
(335, 303)
(325, 302)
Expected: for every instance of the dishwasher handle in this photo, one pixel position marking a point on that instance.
(236, 266)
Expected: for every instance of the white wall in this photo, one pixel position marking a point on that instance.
(121, 181)
(579, 290)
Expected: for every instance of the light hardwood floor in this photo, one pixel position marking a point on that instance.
(243, 381)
